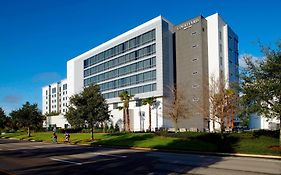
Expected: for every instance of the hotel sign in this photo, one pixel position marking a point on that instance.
(188, 24)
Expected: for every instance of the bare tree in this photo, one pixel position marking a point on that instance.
(176, 106)
(223, 104)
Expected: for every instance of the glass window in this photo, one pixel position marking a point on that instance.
(154, 87)
(134, 91)
(147, 88)
(115, 105)
(147, 76)
(64, 87)
(153, 74)
(140, 78)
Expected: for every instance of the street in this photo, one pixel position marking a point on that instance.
(23, 157)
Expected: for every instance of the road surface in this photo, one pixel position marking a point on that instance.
(23, 157)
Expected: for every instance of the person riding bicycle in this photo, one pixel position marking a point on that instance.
(67, 137)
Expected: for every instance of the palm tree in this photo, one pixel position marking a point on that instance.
(150, 101)
(125, 98)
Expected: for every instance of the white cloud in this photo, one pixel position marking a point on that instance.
(11, 99)
(241, 60)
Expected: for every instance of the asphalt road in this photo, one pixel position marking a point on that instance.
(22, 157)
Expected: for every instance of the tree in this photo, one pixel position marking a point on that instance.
(261, 84)
(150, 101)
(3, 118)
(88, 107)
(125, 98)
(28, 117)
(176, 106)
(223, 104)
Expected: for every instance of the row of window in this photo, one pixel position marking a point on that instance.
(121, 48)
(131, 80)
(121, 60)
(132, 91)
(142, 65)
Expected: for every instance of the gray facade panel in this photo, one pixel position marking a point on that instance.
(192, 70)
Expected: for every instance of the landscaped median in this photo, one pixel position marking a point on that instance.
(265, 143)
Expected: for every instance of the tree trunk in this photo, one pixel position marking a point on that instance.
(28, 131)
(222, 129)
(92, 131)
(149, 126)
(214, 124)
(128, 119)
(124, 120)
(280, 131)
(176, 126)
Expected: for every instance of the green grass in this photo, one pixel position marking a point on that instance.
(250, 143)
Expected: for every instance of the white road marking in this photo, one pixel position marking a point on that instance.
(110, 155)
(66, 161)
(38, 146)
(12, 149)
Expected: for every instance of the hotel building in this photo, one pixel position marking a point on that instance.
(54, 104)
(149, 59)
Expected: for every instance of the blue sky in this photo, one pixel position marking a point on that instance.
(38, 37)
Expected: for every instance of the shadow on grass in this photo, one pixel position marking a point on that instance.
(205, 142)
(123, 139)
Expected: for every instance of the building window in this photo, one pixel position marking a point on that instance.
(115, 105)
(54, 90)
(195, 99)
(220, 47)
(121, 48)
(64, 87)
(194, 46)
(138, 103)
(221, 61)
(194, 59)
(194, 73)
(193, 33)
(220, 36)
(46, 92)
(195, 86)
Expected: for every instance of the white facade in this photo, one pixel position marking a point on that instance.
(222, 53)
(152, 83)
(260, 122)
(55, 100)
(222, 50)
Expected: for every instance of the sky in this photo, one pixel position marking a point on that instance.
(38, 37)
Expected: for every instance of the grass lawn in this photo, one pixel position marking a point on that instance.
(250, 142)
